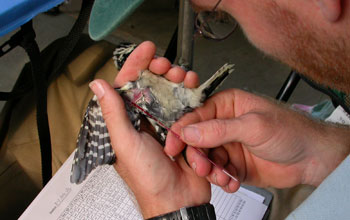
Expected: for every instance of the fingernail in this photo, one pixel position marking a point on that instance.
(194, 166)
(182, 67)
(215, 180)
(171, 158)
(190, 134)
(97, 88)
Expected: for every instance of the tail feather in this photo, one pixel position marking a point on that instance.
(216, 80)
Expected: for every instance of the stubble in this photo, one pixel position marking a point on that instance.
(322, 56)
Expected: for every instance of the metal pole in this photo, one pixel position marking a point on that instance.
(288, 86)
(185, 35)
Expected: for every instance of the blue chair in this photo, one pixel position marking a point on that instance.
(19, 13)
(15, 13)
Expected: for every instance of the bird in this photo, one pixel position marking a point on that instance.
(154, 96)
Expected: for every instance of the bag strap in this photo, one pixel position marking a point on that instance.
(40, 90)
(72, 38)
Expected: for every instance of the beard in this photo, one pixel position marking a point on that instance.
(320, 55)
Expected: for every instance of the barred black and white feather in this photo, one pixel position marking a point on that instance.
(164, 100)
(122, 52)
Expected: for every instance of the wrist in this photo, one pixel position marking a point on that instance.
(331, 148)
(159, 207)
(159, 200)
(201, 212)
(151, 209)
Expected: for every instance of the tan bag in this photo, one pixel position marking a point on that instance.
(67, 98)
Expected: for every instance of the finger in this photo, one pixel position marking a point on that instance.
(232, 185)
(208, 111)
(203, 167)
(199, 164)
(214, 173)
(159, 65)
(220, 157)
(173, 144)
(115, 116)
(191, 80)
(219, 178)
(176, 74)
(251, 129)
(138, 60)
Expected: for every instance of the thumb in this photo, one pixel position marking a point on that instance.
(115, 116)
(250, 129)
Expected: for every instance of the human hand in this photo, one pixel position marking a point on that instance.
(159, 184)
(260, 142)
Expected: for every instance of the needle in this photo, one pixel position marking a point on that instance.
(178, 136)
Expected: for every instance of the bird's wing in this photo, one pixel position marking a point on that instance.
(93, 144)
(160, 131)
